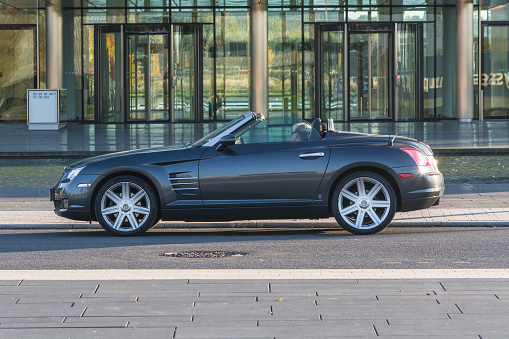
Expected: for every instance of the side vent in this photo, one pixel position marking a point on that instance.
(184, 183)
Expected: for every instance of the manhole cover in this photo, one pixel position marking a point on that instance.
(203, 254)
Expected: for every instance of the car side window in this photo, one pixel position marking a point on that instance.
(278, 130)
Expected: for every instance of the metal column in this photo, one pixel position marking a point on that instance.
(54, 45)
(259, 101)
(464, 60)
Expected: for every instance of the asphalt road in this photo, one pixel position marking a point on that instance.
(394, 248)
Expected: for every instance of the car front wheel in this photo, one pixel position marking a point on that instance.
(364, 203)
(126, 205)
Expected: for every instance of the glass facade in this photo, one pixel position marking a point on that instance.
(190, 60)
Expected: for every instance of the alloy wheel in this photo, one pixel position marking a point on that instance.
(125, 206)
(364, 203)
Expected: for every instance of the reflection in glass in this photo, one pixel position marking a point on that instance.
(17, 59)
(285, 72)
(332, 75)
(88, 73)
(110, 68)
(429, 77)
(495, 75)
(406, 98)
(309, 71)
(185, 96)
(233, 63)
(209, 111)
(148, 77)
(370, 75)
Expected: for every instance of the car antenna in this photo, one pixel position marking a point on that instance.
(392, 140)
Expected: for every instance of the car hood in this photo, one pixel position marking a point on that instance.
(128, 154)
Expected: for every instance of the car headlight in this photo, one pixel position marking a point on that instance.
(73, 173)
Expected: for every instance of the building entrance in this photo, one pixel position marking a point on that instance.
(370, 80)
(368, 71)
(147, 77)
(149, 73)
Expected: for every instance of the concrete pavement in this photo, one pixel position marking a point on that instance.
(261, 307)
(235, 303)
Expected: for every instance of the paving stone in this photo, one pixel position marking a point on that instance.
(229, 318)
(29, 320)
(465, 298)
(209, 282)
(315, 322)
(486, 285)
(65, 333)
(40, 310)
(56, 284)
(273, 331)
(499, 306)
(133, 293)
(63, 292)
(229, 308)
(224, 298)
(43, 299)
(371, 336)
(445, 329)
(136, 309)
(207, 294)
(391, 303)
(137, 321)
(221, 323)
(187, 288)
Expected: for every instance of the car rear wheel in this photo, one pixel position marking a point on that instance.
(364, 203)
(126, 205)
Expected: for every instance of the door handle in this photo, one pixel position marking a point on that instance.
(311, 155)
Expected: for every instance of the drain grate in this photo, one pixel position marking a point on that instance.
(203, 254)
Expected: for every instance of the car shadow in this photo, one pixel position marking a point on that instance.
(13, 241)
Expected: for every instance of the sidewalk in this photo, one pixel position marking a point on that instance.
(462, 205)
(81, 140)
(54, 304)
(259, 303)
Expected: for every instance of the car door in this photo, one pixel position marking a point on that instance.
(270, 174)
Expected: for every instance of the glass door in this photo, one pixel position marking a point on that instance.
(370, 75)
(407, 72)
(147, 77)
(495, 75)
(187, 70)
(332, 79)
(110, 68)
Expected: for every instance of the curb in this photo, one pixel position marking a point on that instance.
(313, 225)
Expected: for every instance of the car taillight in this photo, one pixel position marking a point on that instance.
(420, 158)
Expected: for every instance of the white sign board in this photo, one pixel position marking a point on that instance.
(43, 109)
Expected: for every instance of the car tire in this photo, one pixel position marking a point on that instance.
(367, 212)
(130, 215)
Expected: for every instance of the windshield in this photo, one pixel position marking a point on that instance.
(218, 131)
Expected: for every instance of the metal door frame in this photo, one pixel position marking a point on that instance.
(198, 57)
(481, 70)
(108, 28)
(375, 28)
(161, 30)
(320, 28)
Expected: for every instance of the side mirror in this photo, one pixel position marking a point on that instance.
(225, 141)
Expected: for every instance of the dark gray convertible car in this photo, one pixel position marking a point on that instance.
(255, 168)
